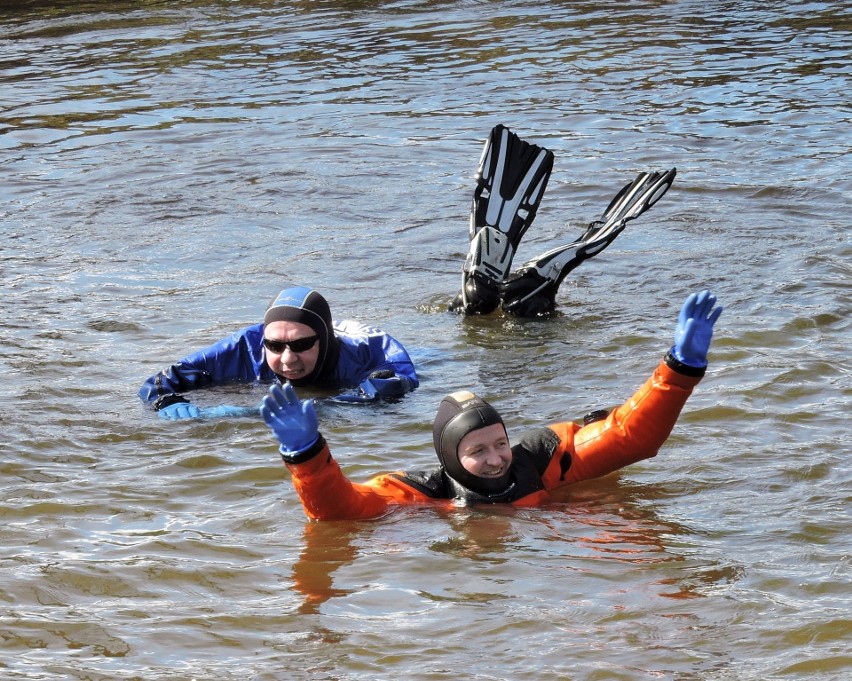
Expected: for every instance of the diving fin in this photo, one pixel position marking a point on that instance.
(532, 289)
(510, 183)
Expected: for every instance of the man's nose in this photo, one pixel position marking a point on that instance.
(492, 456)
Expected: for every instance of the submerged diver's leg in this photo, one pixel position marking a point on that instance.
(532, 289)
(510, 183)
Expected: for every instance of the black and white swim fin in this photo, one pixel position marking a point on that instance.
(532, 289)
(510, 183)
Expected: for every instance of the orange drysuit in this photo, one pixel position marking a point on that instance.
(551, 457)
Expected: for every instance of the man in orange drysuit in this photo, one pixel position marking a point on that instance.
(477, 465)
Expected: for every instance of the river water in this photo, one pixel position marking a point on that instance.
(167, 167)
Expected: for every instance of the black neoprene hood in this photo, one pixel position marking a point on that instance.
(459, 414)
(306, 306)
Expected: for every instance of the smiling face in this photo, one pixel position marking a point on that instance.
(291, 365)
(486, 452)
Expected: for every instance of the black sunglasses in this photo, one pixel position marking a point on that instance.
(297, 346)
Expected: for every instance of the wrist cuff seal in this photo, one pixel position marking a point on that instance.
(685, 369)
(305, 454)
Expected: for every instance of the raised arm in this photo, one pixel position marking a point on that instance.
(638, 428)
(325, 492)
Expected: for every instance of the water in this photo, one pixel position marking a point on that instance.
(167, 167)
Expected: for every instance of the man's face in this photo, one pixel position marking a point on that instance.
(283, 360)
(485, 452)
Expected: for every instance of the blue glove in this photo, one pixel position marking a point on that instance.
(695, 329)
(226, 410)
(294, 422)
(179, 410)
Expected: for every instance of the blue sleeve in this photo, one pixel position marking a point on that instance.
(238, 357)
(365, 350)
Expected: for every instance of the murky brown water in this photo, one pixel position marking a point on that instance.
(166, 167)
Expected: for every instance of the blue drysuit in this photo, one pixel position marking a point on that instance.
(363, 350)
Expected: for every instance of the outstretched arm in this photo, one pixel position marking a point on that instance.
(238, 357)
(637, 429)
(325, 493)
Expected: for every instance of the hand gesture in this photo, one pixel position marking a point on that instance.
(695, 329)
(293, 421)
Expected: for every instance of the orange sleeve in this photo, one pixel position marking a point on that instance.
(634, 431)
(327, 494)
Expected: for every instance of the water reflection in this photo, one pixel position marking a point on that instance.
(327, 546)
(603, 530)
